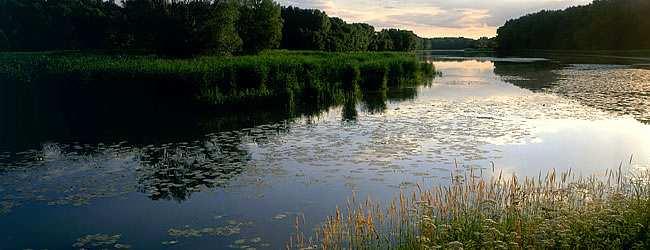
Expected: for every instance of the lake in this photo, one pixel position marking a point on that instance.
(241, 179)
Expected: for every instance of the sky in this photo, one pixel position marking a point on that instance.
(434, 18)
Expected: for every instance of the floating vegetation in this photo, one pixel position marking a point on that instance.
(249, 244)
(122, 246)
(61, 175)
(232, 228)
(429, 134)
(169, 243)
(100, 241)
(280, 216)
(619, 89)
(559, 210)
(177, 172)
(5, 207)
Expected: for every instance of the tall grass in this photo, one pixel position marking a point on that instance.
(220, 80)
(555, 211)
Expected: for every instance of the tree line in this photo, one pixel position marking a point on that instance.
(185, 27)
(310, 29)
(443, 43)
(601, 25)
(161, 26)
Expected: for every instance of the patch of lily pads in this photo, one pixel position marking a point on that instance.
(231, 228)
(100, 241)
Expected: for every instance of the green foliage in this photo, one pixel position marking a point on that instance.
(222, 31)
(382, 42)
(187, 27)
(260, 25)
(221, 80)
(601, 25)
(402, 40)
(181, 28)
(349, 37)
(304, 29)
(44, 25)
(314, 30)
(457, 43)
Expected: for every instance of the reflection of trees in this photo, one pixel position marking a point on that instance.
(612, 90)
(349, 112)
(175, 173)
(403, 94)
(534, 76)
(376, 101)
(170, 168)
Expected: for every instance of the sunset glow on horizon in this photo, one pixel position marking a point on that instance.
(434, 18)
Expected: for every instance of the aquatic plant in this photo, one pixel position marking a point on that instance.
(211, 80)
(558, 210)
(100, 241)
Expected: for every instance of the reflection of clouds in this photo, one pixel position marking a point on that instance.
(467, 65)
(469, 18)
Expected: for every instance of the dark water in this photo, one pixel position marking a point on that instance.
(159, 178)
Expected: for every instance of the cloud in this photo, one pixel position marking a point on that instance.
(311, 4)
(434, 18)
(455, 18)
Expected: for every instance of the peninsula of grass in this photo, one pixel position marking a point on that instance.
(556, 211)
(213, 80)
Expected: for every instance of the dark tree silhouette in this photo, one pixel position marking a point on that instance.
(601, 25)
(186, 27)
(304, 29)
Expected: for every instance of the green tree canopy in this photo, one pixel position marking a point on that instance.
(304, 28)
(260, 25)
(186, 27)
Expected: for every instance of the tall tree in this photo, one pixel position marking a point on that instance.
(305, 29)
(381, 42)
(260, 25)
(403, 40)
(221, 28)
(349, 37)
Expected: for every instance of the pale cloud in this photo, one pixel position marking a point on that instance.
(434, 18)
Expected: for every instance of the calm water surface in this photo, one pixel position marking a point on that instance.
(243, 185)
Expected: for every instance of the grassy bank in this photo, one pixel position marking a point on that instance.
(556, 211)
(218, 80)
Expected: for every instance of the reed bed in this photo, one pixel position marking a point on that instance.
(552, 211)
(220, 80)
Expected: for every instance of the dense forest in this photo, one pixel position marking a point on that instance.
(309, 29)
(601, 25)
(185, 27)
(457, 43)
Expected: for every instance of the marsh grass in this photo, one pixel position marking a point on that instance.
(552, 211)
(219, 80)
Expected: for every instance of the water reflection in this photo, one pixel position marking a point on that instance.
(620, 89)
(175, 172)
(261, 169)
(536, 76)
(181, 159)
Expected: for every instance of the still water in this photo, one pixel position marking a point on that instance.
(240, 180)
